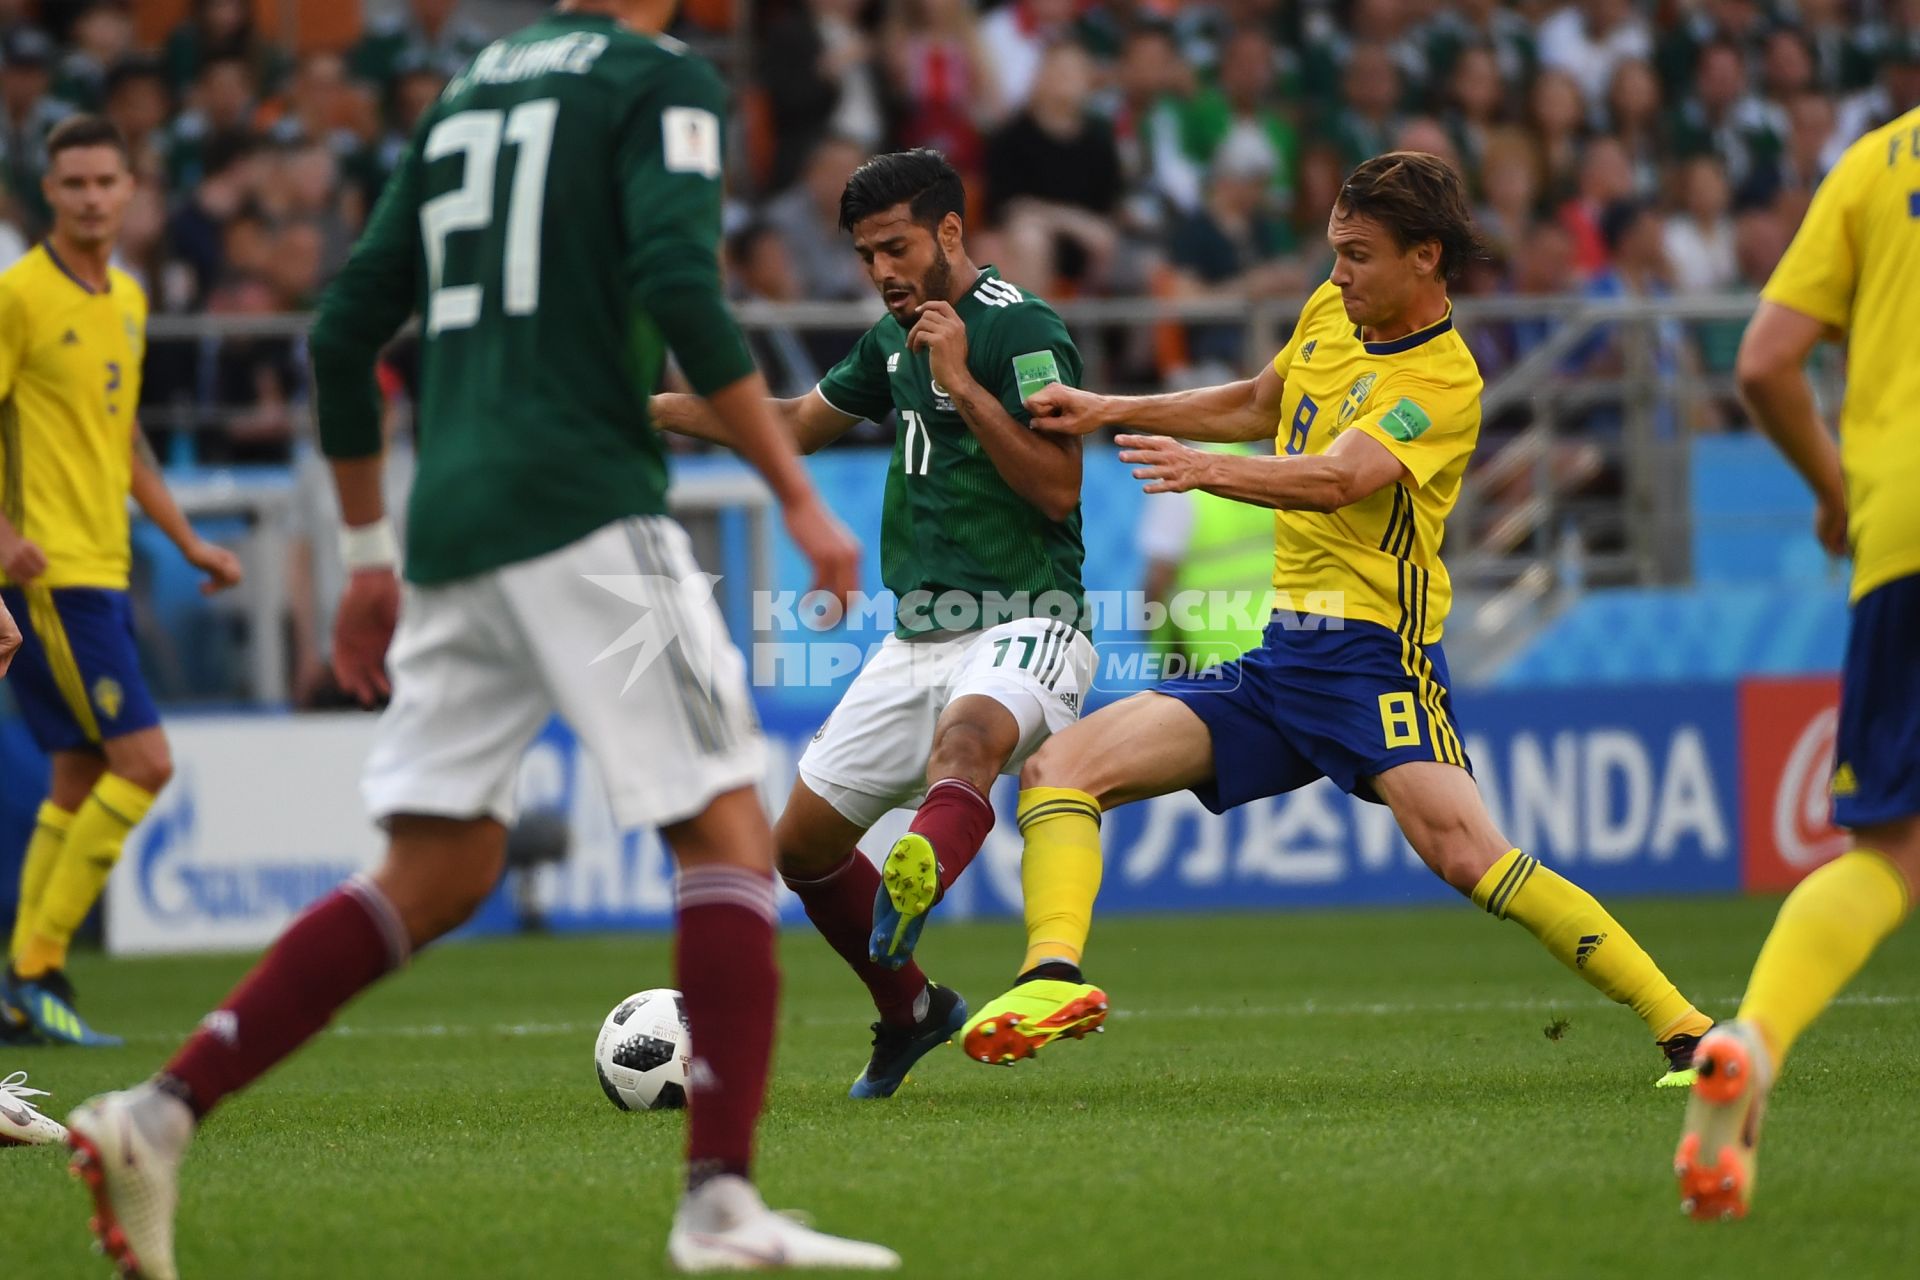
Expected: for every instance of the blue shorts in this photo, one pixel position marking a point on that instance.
(77, 675)
(1876, 772)
(1308, 704)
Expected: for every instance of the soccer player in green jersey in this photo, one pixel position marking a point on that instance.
(980, 543)
(554, 224)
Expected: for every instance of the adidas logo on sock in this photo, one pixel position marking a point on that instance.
(1589, 943)
(223, 1025)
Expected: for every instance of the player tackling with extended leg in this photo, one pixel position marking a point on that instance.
(980, 543)
(1849, 273)
(1376, 399)
(555, 225)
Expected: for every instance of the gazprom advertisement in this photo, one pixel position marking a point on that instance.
(1631, 791)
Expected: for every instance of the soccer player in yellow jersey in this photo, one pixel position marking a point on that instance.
(1374, 403)
(72, 334)
(1851, 272)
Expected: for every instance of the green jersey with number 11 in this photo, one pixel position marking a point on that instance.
(555, 226)
(954, 536)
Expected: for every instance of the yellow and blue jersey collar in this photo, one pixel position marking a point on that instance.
(1419, 337)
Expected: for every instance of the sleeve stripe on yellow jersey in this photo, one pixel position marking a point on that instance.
(13, 492)
(52, 634)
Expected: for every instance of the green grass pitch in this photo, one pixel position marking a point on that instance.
(1358, 1094)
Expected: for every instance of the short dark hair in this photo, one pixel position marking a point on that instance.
(86, 131)
(1417, 197)
(134, 68)
(1618, 220)
(921, 179)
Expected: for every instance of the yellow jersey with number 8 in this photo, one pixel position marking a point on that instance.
(1377, 560)
(1855, 265)
(69, 393)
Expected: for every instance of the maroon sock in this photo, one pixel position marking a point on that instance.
(840, 904)
(955, 819)
(338, 948)
(723, 953)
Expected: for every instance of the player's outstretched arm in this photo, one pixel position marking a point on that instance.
(1247, 410)
(149, 489)
(1771, 371)
(1356, 466)
(810, 420)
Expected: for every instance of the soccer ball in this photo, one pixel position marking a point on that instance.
(643, 1052)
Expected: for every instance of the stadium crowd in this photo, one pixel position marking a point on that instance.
(1114, 148)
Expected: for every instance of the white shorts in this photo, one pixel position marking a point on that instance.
(617, 632)
(871, 754)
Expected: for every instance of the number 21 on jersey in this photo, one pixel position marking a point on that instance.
(477, 136)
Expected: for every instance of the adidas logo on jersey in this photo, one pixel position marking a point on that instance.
(893, 362)
(1306, 352)
(998, 293)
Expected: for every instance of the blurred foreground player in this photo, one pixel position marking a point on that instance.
(1376, 400)
(980, 544)
(1850, 274)
(555, 225)
(72, 338)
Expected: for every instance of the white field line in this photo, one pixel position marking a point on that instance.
(1193, 1013)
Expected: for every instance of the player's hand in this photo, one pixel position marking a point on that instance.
(1830, 526)
(221, 566)
(833, 552)
(362, 631)
(1166, 465)
(9, 639)
(943, 336)
(22, 559)
(1067, 410)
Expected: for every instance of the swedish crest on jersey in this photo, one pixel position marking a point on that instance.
(1356, 396)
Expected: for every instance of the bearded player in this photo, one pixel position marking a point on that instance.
(1376, 401)
(1849, 274)
(72, 338)
(555, 224)
(980, 543)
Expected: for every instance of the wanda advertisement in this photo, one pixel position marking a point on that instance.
(1787, 730)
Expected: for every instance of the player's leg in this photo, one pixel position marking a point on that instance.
(819, 858)
(441, 774)
(1834, 919)
(1146, 745)
(73, 774)
(1010, 688)
(1440, 809)
(129, 1146)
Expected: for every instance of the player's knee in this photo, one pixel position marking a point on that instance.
(965, 751)
(1455, 850)
(1056, 764)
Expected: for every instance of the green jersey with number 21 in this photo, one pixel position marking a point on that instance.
(952, 529)
(563, 191)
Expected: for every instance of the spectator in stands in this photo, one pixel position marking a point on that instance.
(260, 382)
(220, 29)
(1723, 118)
(1483, 24)
(759, 270)
(139, 103)
(1740, 24)
(1016, 37)
(1896, 89)
(1233, 246)
(1557, 118)
(196, 233)
(1787, 67)
(1637, 268)
(102, 37)
(1830, 39)
(1511, 185)
(807, 216)
(1150, 81)
(1053, 180)
(817, 66)
(945, 90)
(1699, 236)
(1788, 185)
(427, 34)
(1369, 115)
(222, 103)
(141, 249)
(1588, 39)
(1606, 180)
(1633, 115)
(1475, 107)
(27, 111)
(1387, 25)
(1240, 104)
(1760, 240)
(408, 99)
(318, 106)
(1424, 133)
(303, 184)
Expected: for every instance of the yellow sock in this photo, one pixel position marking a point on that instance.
(43, 852)
(1059, 872)
(94, 839)
(1581, 935)
(1825, 931)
